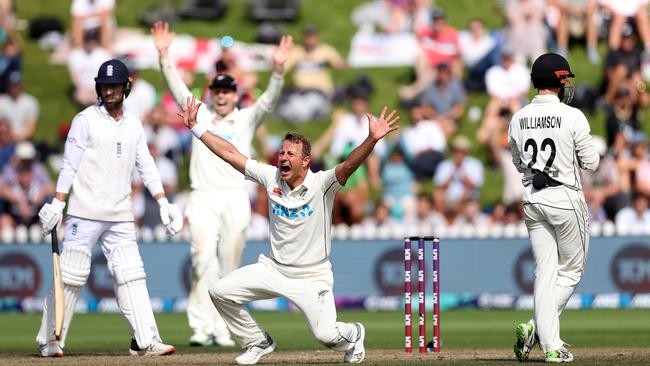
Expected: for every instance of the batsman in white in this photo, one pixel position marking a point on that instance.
(218, 230)
(550, 141)
(104, 145)
(298, 268)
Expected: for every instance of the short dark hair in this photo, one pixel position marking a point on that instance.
(297, 138)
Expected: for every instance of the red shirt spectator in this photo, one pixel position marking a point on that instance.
(440, 43)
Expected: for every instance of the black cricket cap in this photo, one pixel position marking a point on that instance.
(224, 82)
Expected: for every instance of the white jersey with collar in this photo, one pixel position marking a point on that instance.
(300, 219)
(550, 136)
(208, 171)
(101, 154)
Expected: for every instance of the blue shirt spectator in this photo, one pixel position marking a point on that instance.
(398, 184)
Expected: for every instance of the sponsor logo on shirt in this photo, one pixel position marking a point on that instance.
(119, 150)
(277, 191)
(292, 213)
(72, 140)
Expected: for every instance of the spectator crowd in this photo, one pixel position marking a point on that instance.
(430, 175)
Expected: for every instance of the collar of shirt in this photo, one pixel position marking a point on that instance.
(547, 98)
(218, 117)
(104, 112)
(303, 187)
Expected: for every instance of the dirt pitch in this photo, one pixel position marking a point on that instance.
(598, 356)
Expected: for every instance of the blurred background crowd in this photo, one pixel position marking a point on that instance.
(449, 165)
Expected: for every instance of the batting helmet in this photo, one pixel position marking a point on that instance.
(551, 70)
(113, 72)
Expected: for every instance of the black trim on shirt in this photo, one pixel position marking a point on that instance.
(325, 216)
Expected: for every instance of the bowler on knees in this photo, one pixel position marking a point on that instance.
(104, 145)
(550, 142)
(298, 267)
(217, 231)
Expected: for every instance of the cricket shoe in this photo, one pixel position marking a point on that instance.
(201, 340)
(561, 355)
(526, 340)
(156, 348)
(51, 349)
(358, 352)
(254, 353)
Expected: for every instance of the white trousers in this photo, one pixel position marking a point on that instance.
(310, 291)
(111, 235)
(557, 221)
(217, 223)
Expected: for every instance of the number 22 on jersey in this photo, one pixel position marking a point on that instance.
(532, 147)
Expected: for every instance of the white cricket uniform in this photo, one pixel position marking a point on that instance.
(99, 158)
(218, 210)
(298, 267)
(550, 136)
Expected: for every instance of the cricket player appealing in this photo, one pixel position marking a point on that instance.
(550, 141)
(104, 145)
(218, 230)
(298, 268)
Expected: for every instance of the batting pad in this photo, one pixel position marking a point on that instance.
(75, 268)
(75, 265)
(131, 292)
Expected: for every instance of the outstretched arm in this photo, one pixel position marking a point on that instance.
(220, 147)
(162, 38)
(268, 101)
(376, 131)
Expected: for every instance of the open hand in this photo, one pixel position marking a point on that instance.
(281, 53)
(383, 126)
(189, 111)
(162, 37)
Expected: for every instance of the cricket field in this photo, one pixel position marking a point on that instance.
(469, 337)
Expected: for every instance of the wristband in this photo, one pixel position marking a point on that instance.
(163, 202)
(199, 129)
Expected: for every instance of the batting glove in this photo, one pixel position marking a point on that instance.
(51, 214)
(171, 217)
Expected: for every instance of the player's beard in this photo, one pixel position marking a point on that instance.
(115, 104)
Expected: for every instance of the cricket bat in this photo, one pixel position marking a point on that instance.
(59, 302)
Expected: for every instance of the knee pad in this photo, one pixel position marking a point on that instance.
(220, 292)
(127, 264)
(75, 265)
(341, 338)
(330, 338)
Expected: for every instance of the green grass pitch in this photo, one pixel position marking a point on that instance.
(93, 335)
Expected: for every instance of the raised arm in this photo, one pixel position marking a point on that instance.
(220, 147)
(267, 102)
(376, 131)
(162, 38)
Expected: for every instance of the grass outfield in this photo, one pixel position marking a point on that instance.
(599, 337)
